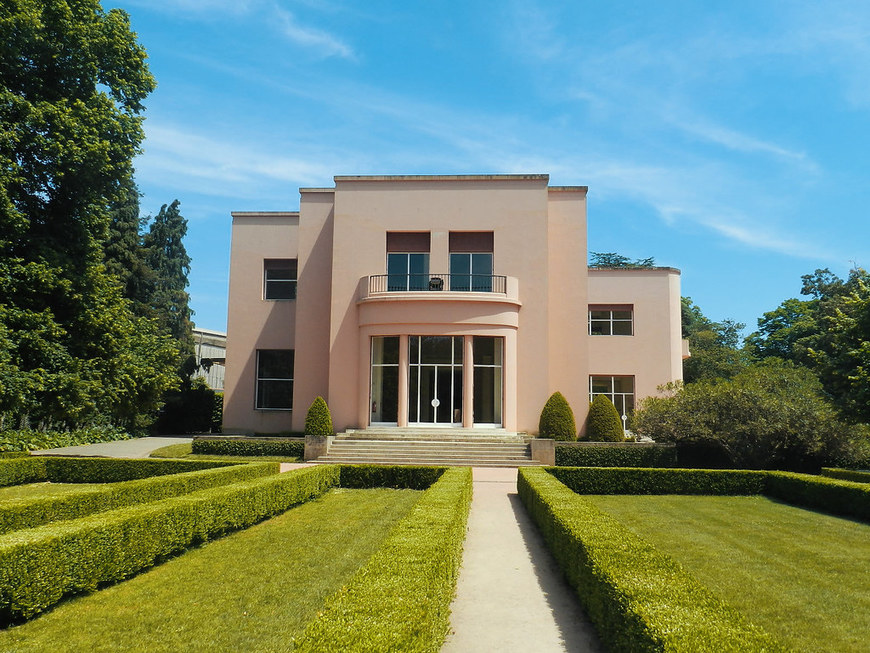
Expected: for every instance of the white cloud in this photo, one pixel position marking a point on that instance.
(324, 43)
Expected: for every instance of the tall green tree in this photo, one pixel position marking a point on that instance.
(614, 260)
(72, 82)
(716, 351)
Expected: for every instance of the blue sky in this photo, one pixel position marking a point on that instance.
(729, 140)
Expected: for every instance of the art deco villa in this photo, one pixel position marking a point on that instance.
(437, 301)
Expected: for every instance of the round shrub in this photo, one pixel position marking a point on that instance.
(318, 421)
(604, 423)
(557, 419)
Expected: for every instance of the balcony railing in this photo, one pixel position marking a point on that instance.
(494, 283)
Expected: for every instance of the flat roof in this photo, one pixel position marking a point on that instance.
(339, 178)
(652, 269)
(264, 214)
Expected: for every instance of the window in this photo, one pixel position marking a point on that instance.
(619, 389)
(279, 279)
(275, 379)
(385, 380)
(471, 261)
(407, 260)
(611, 320)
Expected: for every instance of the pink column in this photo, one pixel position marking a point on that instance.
(403, 381)
(468, 382)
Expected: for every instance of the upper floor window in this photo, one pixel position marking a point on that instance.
(275, 379)
(619, 389)
(407, 260)
(471, 261)
(611, 320)
(279, 278)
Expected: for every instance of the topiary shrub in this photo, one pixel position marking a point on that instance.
(604, 423)
(557, 419)
(318, 421)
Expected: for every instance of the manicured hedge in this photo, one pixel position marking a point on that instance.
(638, 598)
(15, 471)
(854, 475)
(845, 498)
(28, 513)
(401, 477)
(632, 480)
(39, 566)
(569, 454)
(29, 439)
(114, 470)
(294, 448)
(400, 600)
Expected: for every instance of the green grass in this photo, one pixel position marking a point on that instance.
(45, 489)
(250, 591)
(800, 575)
(184, 451)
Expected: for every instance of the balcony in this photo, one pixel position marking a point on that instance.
(471, 283)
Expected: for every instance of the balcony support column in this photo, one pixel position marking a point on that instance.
(404, 371)
(468, 382)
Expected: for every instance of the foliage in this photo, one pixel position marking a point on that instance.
(39, 566)
(614, 260)
(116, 470)
(854, 475)
(398, 477)
(638, 598)
(629, 454)
(557, 419)
(318, 421)
(771, 415)
(217, 412)
(715, 346)
(622, 480)
(15, 471)
(30, 512)
(189, 410)
(603, 424)
(30, 440)
(400, 600)
(288, 447)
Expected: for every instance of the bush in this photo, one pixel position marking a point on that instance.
(15, 471)
(39, 566)
(604, 423)
(27, 513)
(30, 439)
(217, 413)
(291, 448)
(557, 419)
(114, 470)
(318, 421)
(620, 480)
(628, 454)
(189, 410)
(854, 475)
(638, 598)
(845, 498)
(399, 477)
(400, 600)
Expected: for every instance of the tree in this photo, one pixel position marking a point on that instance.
(770, 415)
(714, 346)
(604, 423)
(123, 250)
(72, 82)
(318, 421)
(614, 260)
(557, 419)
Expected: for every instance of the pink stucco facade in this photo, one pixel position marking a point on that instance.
(452, 301)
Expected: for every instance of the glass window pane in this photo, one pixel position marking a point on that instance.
(481, 263)
(275, 394)
(623, 384)
(275, 364)
(599, 328)
(601, 385)
(621, 315)
(458, 342)
(484, 350)
(436, 349)
(599, 315)
(622, 328)
(460, 263)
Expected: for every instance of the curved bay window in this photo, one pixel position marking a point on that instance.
(385, 380)
(488, 364)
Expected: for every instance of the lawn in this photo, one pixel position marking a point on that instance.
(799, 574)
(185, 451)
(45, 489)
(252, 591)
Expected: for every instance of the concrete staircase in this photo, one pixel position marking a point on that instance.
(417, 446)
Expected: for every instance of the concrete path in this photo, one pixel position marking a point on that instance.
(135, 448)
(511, 596)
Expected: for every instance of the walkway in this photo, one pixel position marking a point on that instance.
(135, 448)
(511, 596)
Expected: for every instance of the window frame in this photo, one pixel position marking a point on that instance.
(612, 394)
(270, 264)
(263, 379)
(610, 320)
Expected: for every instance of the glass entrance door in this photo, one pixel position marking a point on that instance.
(435, 384)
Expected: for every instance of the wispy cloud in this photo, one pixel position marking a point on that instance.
(320, 41)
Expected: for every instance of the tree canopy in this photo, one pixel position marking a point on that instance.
(614, 260)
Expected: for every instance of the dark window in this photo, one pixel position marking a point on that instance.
(619, 389)
(611, 320)
(275, 379)
(280, 278)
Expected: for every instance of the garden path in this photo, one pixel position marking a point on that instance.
(135, 448)
(511, 595)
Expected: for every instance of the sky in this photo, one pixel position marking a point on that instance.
(729, 140)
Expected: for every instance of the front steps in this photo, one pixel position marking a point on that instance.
(444, 447)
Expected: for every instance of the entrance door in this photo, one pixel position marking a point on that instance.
(435, 384)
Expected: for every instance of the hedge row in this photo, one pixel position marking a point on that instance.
(400, 600)
(831, 495)
(15, 471)
(615, 455)
(28, 513)
(396, 476)
(638, 598)
(250, 447)
(39, 566)
(29, 439)
(854, 475)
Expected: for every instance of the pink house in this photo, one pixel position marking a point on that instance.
(437, 301)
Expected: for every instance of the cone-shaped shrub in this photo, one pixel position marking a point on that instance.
(557, 419)
(604, 423)
(318, 421)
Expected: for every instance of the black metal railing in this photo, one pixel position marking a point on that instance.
(494, 283)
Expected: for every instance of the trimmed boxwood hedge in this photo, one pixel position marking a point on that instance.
(115, 470)
(855, 475)
(638, 598)
(39, 566)
(292, 448)
(400, 600)
(394, 476)
(27, 513)
(845, 498)
(569, 454)
(15, 471)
